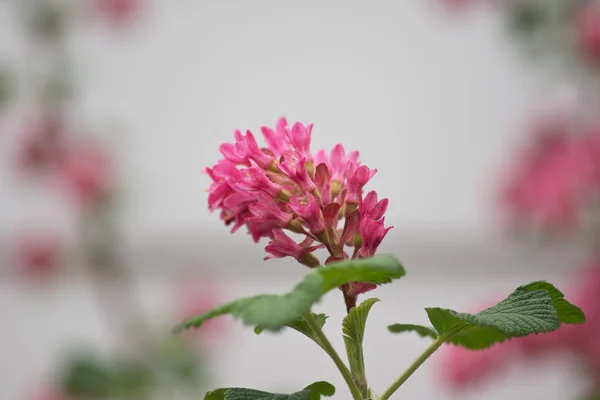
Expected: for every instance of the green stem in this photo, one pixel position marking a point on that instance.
(413, 367)
(326, 345)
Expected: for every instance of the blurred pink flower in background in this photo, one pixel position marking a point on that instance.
(37, 255)
(41, 145)
(46, 393)
(87, 174)
(461, 368)
(588, 30)
(553, 177)
(195, 296)
(117, 12)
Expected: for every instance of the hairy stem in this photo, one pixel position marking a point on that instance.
(413, 367)
(326, 345)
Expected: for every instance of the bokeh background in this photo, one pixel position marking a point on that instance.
(433, 95)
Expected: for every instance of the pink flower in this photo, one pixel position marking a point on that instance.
(588, 30)
(265, 209)
(277, 139)
(257, 179)
(42, 146)
(47, 393)
(310, 211)
(231, 154)
(117, 12)
(359, 178)
(461, 368)
(247, 148)
(299, 137)
(196, 297)
(260, 228)
(38, 254)
(339, 162)
(283, 187)
(87, 174)
(296, 171)
(371, 207)
(372, 232)
(283, 246)
(551, 180)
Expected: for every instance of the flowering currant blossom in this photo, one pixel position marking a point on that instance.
(285, 189)
(87, 174)
(588, 29)
(38, 254)
(551, 180)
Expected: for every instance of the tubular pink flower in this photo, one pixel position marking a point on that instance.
(257, 179)
(296, 171)
(266, 209)
(277, 139)
(310, 212)
(239, 201)
(299, 137)
(371, 207)
(217, 194)
(260, 228)
(247, 147)
(359, 178)
(284, 246)
(372, 233)
(222, 170)
(229, 151)
(339, 162)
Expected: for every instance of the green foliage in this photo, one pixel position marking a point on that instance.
(87, 376)
(533, 308)
(421, 330)
(525, 18)
(353, 329)
(567, 313)
(312, 392)
(302, 326)
(273, 312)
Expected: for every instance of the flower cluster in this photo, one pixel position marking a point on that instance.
(552, 181)
(284, 187)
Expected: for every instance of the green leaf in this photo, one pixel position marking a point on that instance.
(353, 329)
(533, 308)
(273, 312)
(311, 392)
(567, 313)
(421, 330)
(302, 326)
